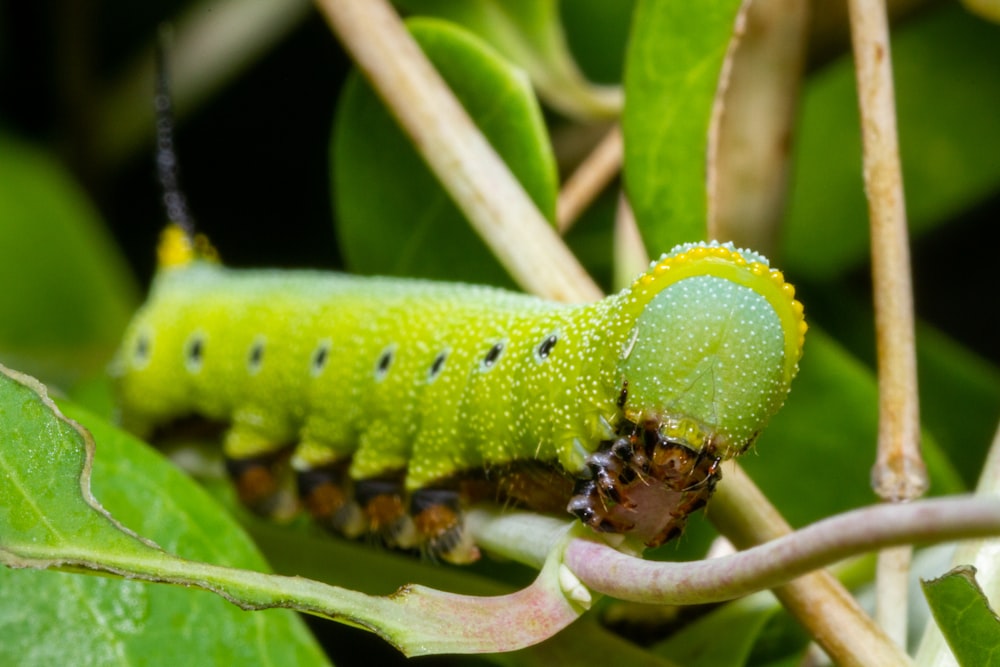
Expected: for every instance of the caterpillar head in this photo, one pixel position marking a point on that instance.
(714, 348)
(714, 340)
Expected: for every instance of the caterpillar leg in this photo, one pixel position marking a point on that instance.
(668, 479)
(431, 521)
(328, 495)
(354, 508)
(257, 457)
(440, 526)
(383, 507)
(261, 484)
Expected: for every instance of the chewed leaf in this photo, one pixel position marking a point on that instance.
(50, 617)
(49, 519)
(963, 614)
(48, 515)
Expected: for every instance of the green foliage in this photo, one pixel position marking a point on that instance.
(66, 296)
(946, 105)
(47, 465)
(676, 57)
(54, 251)
(965, 617)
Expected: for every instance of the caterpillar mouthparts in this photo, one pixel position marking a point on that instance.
(645, 484)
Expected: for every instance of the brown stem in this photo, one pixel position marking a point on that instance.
(590, 179)
(899, 472)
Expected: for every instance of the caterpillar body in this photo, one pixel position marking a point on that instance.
(399, 401)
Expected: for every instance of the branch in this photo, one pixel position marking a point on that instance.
(590, 179)
(899, 473)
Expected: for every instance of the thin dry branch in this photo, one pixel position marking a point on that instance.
(899, 473)
(590, 179)
(463, 160)
(892, 586)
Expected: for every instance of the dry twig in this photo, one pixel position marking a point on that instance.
(589, 179)
(899, 473)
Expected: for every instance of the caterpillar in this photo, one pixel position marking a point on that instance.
(397, 402)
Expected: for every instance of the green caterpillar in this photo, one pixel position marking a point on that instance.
(399, 400)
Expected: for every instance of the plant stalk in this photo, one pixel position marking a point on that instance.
(899, 473)
(590, 178)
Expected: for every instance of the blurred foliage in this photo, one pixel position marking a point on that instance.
(257, 170)
(965, 617)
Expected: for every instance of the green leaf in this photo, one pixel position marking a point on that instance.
(947, 101)
(49, 519)
(674, 63)
(46, 514)
(529, 33)
(964, 615)
(68, 293)
(394, 217)
(597, 32)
